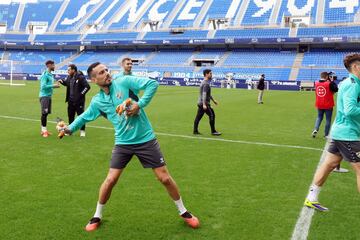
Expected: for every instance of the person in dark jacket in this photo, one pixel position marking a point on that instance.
(261, 87)
(76, 89)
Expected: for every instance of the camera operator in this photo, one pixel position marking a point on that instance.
(325, 89)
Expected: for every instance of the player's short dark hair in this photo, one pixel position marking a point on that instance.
(206, 71)
(351, 58)
(324, 75)
(126, 59)
(91, 68)
(49, 62)
(73, 67)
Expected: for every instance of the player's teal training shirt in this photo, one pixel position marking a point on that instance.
(121, 74)
(131, 130)
(346, 126)
(46, 84)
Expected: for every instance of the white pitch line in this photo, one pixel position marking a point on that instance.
(303, 223)
(187, 136)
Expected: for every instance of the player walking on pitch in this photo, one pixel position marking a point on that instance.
(344, 134)
(133, 135)
(204, 104)
(261, 88)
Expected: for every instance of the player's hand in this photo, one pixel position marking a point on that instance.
(204, 107)
(122, 107)
(56, 85)
(62, 129)
(134, 109)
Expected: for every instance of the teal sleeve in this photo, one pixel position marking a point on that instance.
(90, 114)
(140, 83)
(43, 84)
(351, 108)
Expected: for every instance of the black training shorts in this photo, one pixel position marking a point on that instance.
(349, 150)
(148, 153)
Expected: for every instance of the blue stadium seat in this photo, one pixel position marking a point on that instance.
(161, 12)
(186, 20)
(266, 57)
(253, 33)
(127, 19)
(73, 15)
(112, 36)
(300, 6)
(14, 37)
(101, 10)
(337, 13)
(8, 14)
(329, 31)
(110, 58)
(57, 37)
(325, 57)
(40, 12)
(171, 57)
(210, 54)
(38, 57)
(254, 16)
(218, 9)
(313, 74)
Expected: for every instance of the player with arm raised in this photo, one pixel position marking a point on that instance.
(133, 135)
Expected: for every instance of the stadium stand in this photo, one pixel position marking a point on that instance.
(57, 37)
(167, 35)
(84, 22)
(8, 14)
(38, 57)
(40, 11)
(253, 33)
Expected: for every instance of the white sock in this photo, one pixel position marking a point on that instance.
(313, 193)
(180, 206)
(43, 129)
(99, 209)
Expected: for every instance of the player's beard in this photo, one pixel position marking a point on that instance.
(107, 82)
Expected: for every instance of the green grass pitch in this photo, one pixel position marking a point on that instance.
(238, 190)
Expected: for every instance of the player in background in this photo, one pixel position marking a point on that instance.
(47, 84)
(133, 135)
(126, 64)
(261, 87)
(204, 104)
(344, 140)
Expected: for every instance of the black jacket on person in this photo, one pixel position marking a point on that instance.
(80, 87)
(261, 84)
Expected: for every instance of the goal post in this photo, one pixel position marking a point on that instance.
(7, 76)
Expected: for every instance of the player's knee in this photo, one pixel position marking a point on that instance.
(166, 180)
(111, 181)
(332, 165)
